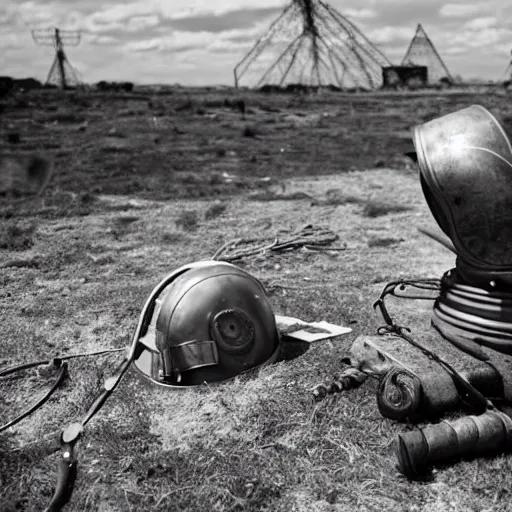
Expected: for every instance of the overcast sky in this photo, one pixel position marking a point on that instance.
(198, 42)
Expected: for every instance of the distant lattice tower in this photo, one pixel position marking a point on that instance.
(61, 73)
(506, 79)
(312, 44)
(508, 71)
(422, 52)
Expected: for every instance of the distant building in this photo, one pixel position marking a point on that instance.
(422, 52)
(404, 76)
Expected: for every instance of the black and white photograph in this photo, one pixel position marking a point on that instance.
(255, 256)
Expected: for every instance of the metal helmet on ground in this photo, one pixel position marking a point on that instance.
(213, 321)
(465, 161)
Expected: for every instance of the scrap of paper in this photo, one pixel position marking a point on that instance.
(309, 331)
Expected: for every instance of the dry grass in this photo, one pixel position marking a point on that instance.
(274, 196)
(188, 220)
(17, 235)
(105, 237)
(215, 210)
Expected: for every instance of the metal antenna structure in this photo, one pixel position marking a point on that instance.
(508, 72)
(61, 72)
(422, 52)
(312, 44)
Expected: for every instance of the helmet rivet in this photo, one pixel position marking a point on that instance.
(493, 284)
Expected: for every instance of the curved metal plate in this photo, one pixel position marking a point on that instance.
(148, 365)
(465, 160)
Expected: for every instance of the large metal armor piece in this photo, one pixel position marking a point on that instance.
(465, 161)
(214, 321)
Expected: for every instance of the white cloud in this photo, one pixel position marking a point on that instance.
(461, 10)
(178, 9)
(504, 48)
(144, 46)
(97, 24)
(455, 50)
(103, 39)
(34, 13)
(485, 37)
(178, 40)
(359, 14)
(174, 41)
(229, 46)
(471, 34)
(6, 13)
(389, 34)
(10, 40)
(116, 16)
(137, 23)
(482, 23)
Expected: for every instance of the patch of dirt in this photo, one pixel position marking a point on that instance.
(210, 418)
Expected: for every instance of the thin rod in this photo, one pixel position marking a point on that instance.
(279, 59)
(260, 44)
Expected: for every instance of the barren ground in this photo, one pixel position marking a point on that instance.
(139, 190)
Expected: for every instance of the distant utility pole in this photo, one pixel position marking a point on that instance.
(507, 75)
(61, 72)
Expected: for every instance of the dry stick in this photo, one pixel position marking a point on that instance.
(166, 495)
(444, 241)
(314, 248)
(308, 237)
(42, 438)
(225, 246)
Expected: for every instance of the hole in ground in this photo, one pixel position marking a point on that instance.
(292, 349)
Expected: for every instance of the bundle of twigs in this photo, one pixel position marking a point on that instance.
(310, 237)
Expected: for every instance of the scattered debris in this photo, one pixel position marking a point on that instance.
(310, 237)
(273, 196)
(350, 378)
(377, 208)
(337, 197)
(309, 331)
(384, 242)
(249, 131)
(13, 138)
(83, 126)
